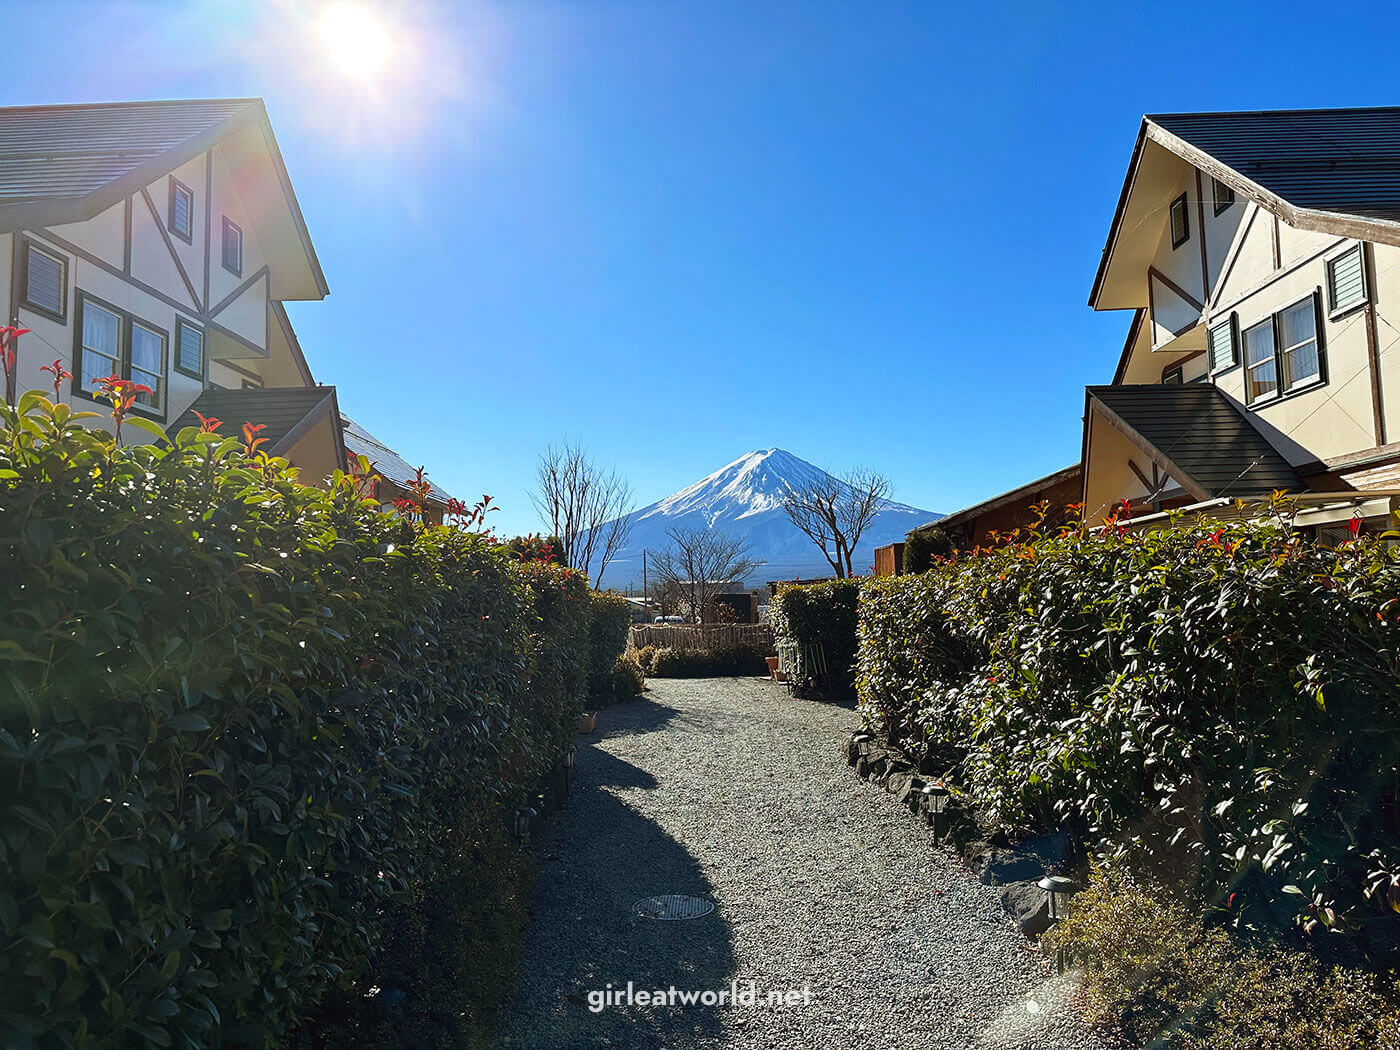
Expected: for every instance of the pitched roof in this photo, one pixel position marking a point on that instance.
(286, 413)
(1025, 492)
(49, 152)
(61, 164)
(1334, 160)
(1333, 171)
(387, 463)
(1201, 437)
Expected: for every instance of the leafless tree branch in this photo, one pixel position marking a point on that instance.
(834, 512)
(699, 563)
(586, 507)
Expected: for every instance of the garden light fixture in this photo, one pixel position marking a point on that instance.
(523, 817)
(935, 801)
(1060, 890)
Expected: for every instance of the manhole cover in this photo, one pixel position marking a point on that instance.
(674, 906)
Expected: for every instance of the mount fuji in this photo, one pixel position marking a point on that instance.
(745, 499)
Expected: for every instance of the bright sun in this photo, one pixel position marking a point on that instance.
(354, 38)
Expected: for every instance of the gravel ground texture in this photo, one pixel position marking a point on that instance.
(730, 790)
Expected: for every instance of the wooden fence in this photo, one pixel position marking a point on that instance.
(710, 636)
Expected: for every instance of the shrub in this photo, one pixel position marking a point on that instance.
(646, 659)
(922, 546)
(533, 547)
(734, 661)
(607, 639)
(1219, 700)
(243, 724)
(823, 614)
(558, 676)
(1165, 981)
(628, 679)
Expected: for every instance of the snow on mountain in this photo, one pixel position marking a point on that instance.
(745, 498)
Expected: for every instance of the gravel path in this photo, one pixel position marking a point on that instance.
(727, 789)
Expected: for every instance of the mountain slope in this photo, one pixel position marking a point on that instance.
(745, 498)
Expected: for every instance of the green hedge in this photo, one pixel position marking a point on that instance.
(607, 640)
(1223, 700)
(922, 546)
(735, 661)
(820, 614)
(244, 723)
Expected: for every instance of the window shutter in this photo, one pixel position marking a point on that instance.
(189, 352)
(44, 284)
(1346, 280)
(182, 213)
(233, 247)
(1224, 350)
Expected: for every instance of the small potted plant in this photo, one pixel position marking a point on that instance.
(587, 722)
(772, 667)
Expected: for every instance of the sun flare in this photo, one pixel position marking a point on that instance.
(354, 39)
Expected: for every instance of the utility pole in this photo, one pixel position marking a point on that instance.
(645, 604)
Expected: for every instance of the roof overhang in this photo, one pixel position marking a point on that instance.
(318, 412)
(280, 230)
(1121, 280)
(1095, 407)
(55, 211)
(1005, 499)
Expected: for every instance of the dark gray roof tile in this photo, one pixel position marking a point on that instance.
(1205, 434)
(63, 152)
(281, 410)
(387, 463)
(1335, 160)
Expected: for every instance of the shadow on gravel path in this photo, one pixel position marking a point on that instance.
(732, 790)
(600, 857)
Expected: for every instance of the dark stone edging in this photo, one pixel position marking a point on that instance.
(1014, 867)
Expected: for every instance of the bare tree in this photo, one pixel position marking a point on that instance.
(587, 507)
(834, 512)
(698, 563)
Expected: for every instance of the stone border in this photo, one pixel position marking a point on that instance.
(1015, 867)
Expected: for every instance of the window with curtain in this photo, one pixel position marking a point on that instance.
(148, 363)
(101, 343)
(1261, 370)
(112, 342)
(1283, 353)
(1298, 343)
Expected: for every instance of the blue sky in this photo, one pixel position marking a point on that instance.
(861, 231)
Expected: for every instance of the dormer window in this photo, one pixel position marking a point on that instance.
(1181, 222)
(1223, 195)
(180, 220)
(233, 247)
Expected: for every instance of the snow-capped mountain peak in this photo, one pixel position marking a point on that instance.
(745, 498)
(754, 483)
